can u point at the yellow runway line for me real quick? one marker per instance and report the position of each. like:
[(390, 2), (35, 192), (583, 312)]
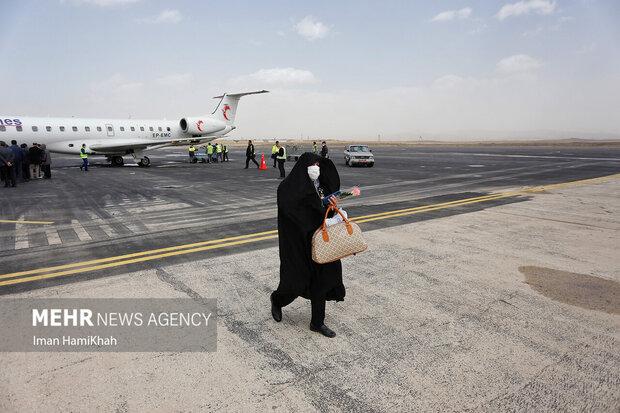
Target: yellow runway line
[(135, 254), (126, 259), (190, 247), (8, 221), (597, 180), (132, 261), (435, 208), (482, 198), (110, 262)]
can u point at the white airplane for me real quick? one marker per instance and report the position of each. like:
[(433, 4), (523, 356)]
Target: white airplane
[(117, 137)]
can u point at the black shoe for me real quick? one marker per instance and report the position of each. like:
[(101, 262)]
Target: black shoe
[(276, 312), (323, 329)]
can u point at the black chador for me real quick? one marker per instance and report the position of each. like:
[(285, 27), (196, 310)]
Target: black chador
[(300, 214)]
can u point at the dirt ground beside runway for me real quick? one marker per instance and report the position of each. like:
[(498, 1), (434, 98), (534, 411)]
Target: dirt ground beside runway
[(438, 316)]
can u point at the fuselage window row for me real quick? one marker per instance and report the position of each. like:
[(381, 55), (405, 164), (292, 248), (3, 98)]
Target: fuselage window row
[(86, 128)]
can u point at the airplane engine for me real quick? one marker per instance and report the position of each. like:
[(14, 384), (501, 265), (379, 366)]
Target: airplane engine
[(201, 126)]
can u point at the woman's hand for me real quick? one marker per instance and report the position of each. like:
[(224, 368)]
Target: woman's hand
[(333, 201)]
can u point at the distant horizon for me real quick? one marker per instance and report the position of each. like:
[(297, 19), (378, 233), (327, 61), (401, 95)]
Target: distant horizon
[(433, 140)]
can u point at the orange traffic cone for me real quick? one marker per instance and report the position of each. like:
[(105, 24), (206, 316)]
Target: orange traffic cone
[(263, 165)]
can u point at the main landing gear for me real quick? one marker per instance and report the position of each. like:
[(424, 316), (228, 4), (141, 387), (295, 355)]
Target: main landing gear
[(116, 160)]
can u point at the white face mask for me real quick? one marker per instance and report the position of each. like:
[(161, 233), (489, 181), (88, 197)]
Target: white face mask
[(313, 172)]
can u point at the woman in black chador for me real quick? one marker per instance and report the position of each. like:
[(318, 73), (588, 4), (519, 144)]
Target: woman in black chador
[(300, 213)]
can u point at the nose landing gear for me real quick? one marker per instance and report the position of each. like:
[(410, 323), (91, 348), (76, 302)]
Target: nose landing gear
[(144, 162)]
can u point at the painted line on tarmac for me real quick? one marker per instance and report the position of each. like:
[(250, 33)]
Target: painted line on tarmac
[(111, 262), (122, 260), (135, 254), (435, 208), (423, 207), (8, 221), (132, 261)]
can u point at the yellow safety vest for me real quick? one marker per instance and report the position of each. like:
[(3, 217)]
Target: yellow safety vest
[(283, 156), (218, 148), (192, 149), (274, 149), (209, 149), (83, 153)]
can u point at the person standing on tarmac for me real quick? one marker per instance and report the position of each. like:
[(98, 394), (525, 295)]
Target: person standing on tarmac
[(213, 153), (192, 153), (25, 163), (209, 153), (315, 149), (274, 153), (324, 150), (19, 158), (250, 155), (34, 157), (46, 162), (218, 152), (225, 152), (281, 158), (84, 157), (7, 165)]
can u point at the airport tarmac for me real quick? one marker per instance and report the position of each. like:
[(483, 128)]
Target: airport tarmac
[(461, 302), (80, 217)]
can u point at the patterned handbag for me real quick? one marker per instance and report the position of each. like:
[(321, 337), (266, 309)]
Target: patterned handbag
[(337, 241)]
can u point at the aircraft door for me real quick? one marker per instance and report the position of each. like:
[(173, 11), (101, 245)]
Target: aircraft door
[(109, 129)]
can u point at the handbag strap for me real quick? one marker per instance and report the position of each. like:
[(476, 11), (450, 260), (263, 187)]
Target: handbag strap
[(324, 225)]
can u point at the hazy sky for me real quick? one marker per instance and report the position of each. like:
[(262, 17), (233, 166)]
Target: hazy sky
[(340, 69)]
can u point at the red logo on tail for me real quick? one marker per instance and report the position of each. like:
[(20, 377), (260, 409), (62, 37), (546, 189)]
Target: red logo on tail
[(225, 109)]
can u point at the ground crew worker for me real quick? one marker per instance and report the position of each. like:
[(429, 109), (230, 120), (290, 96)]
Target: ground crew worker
[(218, 151), (274, 153), (209, 153), (250, 155), (84, 156), (192, 154), (315, 149), (225, 151), (281, 157)]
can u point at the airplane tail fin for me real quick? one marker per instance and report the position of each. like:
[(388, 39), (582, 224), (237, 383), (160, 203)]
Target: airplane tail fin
[(226, 109)]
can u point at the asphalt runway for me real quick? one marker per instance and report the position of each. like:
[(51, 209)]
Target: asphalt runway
[(111, 221)]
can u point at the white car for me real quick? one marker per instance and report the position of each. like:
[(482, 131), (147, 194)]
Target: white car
[(358, 155)]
